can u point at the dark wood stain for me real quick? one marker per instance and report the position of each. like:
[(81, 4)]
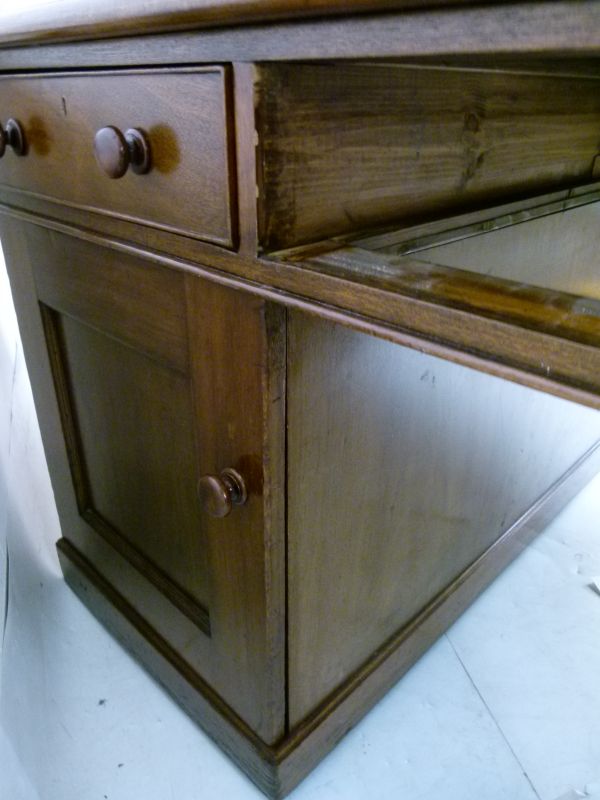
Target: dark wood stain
[(413, 143), (247, 306), (189, 189), (162, 377), (401, 473), (497, 346)]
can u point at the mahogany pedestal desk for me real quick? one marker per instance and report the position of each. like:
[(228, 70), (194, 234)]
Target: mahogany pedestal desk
[(310, 300)]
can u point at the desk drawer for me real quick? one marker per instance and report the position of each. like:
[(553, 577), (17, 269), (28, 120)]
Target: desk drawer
[(182, 113)]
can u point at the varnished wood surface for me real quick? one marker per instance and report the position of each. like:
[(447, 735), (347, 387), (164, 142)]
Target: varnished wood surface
[(142, 308), (237, 362), (160, 341), (142, 412), (410, 239), (496, 344), (277, 770), (557, 252), (63, 20), (244, 80), (540, 273), (402, 470), (344, 147), (550, 30), (184, 115), (334, 718), (537, 267), (131, 459)]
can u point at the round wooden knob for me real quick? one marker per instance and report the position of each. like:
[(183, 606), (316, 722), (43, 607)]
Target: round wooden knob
[(219, 493), (115, 151), (12, 136)]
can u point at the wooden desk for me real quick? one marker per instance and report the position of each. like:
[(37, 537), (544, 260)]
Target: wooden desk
[(311, 312)]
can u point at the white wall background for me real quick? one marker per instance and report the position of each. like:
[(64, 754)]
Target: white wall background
[(28, 565), (506, 706)]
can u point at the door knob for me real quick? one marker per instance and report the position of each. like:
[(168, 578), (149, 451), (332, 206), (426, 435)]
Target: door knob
[(219, 493), (115, 151), (12, 136)]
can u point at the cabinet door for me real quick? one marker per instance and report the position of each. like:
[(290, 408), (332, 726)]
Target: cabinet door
[(156, 377)]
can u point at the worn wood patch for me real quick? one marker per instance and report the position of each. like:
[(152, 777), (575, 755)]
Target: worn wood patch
[(348, 147)]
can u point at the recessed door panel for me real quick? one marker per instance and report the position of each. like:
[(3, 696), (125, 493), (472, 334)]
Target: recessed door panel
[(134, 460)]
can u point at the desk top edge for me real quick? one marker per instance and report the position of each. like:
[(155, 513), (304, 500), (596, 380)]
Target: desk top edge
[(69, 33), (43, 22), (53, 21)]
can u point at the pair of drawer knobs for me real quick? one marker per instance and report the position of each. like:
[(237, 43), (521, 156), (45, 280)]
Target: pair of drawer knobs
[(115, 151)]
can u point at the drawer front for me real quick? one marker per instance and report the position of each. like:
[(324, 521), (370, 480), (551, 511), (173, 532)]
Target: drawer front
[(431, 464), (183, 114)]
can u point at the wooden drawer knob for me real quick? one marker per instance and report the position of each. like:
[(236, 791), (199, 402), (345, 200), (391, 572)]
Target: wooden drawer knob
[(115, 151), (219, 493), (12, 136)]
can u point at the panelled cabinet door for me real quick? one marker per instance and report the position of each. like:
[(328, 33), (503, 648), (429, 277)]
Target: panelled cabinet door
[(159, 379)]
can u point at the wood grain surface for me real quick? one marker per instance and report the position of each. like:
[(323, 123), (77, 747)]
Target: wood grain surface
[(552, 31), (184, 114), (557, 252), (402, 470), (339, 713), (277, 770), (539, 272), (344, 147), (139, 397), (495, 344), (167, 338), (63, 20)]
